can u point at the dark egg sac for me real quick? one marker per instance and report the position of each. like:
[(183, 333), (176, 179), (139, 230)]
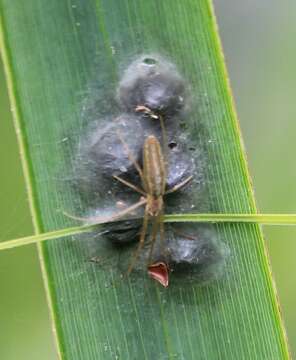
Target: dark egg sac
[(153, 82), (123, 232), (105, 150), (180, 164), (101, 155), (192, 252), (192, 245)]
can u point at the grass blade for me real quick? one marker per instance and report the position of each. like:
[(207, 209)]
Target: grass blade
[(262, 219), (52, 52)]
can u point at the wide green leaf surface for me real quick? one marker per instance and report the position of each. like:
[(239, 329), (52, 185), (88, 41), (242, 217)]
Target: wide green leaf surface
[(59, 53)]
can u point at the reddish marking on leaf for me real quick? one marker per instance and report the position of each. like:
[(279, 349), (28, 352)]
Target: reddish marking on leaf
[(159, 272)]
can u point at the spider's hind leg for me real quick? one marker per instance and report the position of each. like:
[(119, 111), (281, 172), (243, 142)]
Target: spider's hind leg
[(141, 241), (180, 185), (130, 185)]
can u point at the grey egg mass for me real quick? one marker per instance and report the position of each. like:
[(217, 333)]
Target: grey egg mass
[(153, 82)]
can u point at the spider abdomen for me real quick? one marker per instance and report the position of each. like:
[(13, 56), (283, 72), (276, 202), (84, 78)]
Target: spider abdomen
[(153, 167)]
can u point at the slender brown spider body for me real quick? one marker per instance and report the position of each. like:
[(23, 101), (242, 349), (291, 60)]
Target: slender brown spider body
[(154, 175)]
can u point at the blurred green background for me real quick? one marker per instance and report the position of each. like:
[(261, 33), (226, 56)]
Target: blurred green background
[(259, 45)]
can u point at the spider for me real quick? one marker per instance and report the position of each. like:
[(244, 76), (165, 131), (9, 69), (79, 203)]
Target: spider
[(153, 178)]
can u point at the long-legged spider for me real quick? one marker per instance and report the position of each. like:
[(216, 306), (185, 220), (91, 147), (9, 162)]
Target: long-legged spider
[(153, 178)]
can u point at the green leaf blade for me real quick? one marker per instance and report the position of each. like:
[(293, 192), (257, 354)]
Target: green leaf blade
[(54, 50)]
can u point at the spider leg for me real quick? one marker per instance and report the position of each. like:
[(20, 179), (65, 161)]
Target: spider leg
[(180, 185), (101, 219), (161, 231), (155, 227), (188, 237), (164, 140), (160, 224), (159, 270), (130, 155), (130, 185), (141, 241)]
